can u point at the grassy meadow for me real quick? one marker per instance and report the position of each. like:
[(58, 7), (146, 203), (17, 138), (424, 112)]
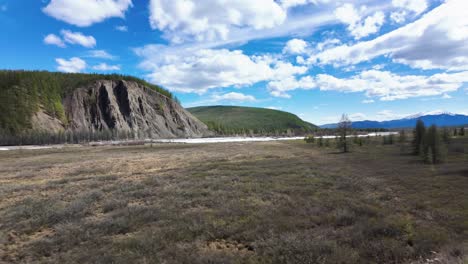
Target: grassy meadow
[(269, 202)]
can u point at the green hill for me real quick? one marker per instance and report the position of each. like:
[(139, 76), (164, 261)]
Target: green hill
[(22, 93), (248, 120)]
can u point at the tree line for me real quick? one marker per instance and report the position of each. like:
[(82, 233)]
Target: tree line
[(34, 137), (430, 143)]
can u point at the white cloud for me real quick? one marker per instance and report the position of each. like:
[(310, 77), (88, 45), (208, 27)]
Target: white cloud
[(416, 6), (293, 3), (72, 65), (406, 8), (198, 70), (357, 117), (389, 86), (53, 39), (280, 87), (398, 17), (106, 67), (368, 101), (78, 38), (295, 46), (446, 96), (84, 13), (121, 28), (384, 85), (212, 19), (328, 43), (358, 26), (389, 115), (233, 96), (100, 54), (438, 40)]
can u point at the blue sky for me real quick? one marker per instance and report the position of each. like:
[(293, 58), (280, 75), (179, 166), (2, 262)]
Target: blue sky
[(374, 60)]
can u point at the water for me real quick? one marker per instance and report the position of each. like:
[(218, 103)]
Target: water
[(196, 141)]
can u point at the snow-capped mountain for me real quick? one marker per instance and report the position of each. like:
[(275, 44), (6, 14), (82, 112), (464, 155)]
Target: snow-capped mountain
[(439, 118), (434, 113)]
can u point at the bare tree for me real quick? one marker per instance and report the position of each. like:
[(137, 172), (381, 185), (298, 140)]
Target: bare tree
[(344, 128)]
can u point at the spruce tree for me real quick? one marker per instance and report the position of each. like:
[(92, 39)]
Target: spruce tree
[(418, 137), (402, 138), (320, 142), (428, 156), (436, 148), (344, 128), (446, 135)]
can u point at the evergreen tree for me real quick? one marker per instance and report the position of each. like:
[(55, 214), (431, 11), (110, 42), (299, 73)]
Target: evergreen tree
[(402, 139), (446, 135), (462, 131), (418, 137), (435, 147), (428, 155), (320, 142), (344, 128)]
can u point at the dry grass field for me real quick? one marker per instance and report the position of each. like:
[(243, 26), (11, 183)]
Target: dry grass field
[(271, 202)]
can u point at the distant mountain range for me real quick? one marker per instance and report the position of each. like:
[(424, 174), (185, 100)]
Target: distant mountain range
[(439, 119)]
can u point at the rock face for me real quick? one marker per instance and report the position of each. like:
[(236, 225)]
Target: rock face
[(126, 106)]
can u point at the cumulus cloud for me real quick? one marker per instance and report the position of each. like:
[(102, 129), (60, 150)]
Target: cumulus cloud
[(212, 19), (78, 38), (406, 8), (384, 85), (295, 46), (53, 39), (100, 54), (70, 37), (84, 13), (438, 40), (328, 43), (72, 65), (358, 25), (106, 67), (233, 96), (416, 6), (203, 69), (293, 3), (280, 87)]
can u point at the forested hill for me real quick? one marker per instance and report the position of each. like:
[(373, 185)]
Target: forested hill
[(22, 93), (46, 107), (236, 120)]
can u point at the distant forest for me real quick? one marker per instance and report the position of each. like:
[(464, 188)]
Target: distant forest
[(22, 93)]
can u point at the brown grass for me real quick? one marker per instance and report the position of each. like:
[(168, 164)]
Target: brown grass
[(272, 202)]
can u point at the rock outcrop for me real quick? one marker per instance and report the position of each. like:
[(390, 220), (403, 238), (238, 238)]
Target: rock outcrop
[(126, 106)]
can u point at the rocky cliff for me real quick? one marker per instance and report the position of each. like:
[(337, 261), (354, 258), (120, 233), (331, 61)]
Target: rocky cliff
[(122, 106)]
